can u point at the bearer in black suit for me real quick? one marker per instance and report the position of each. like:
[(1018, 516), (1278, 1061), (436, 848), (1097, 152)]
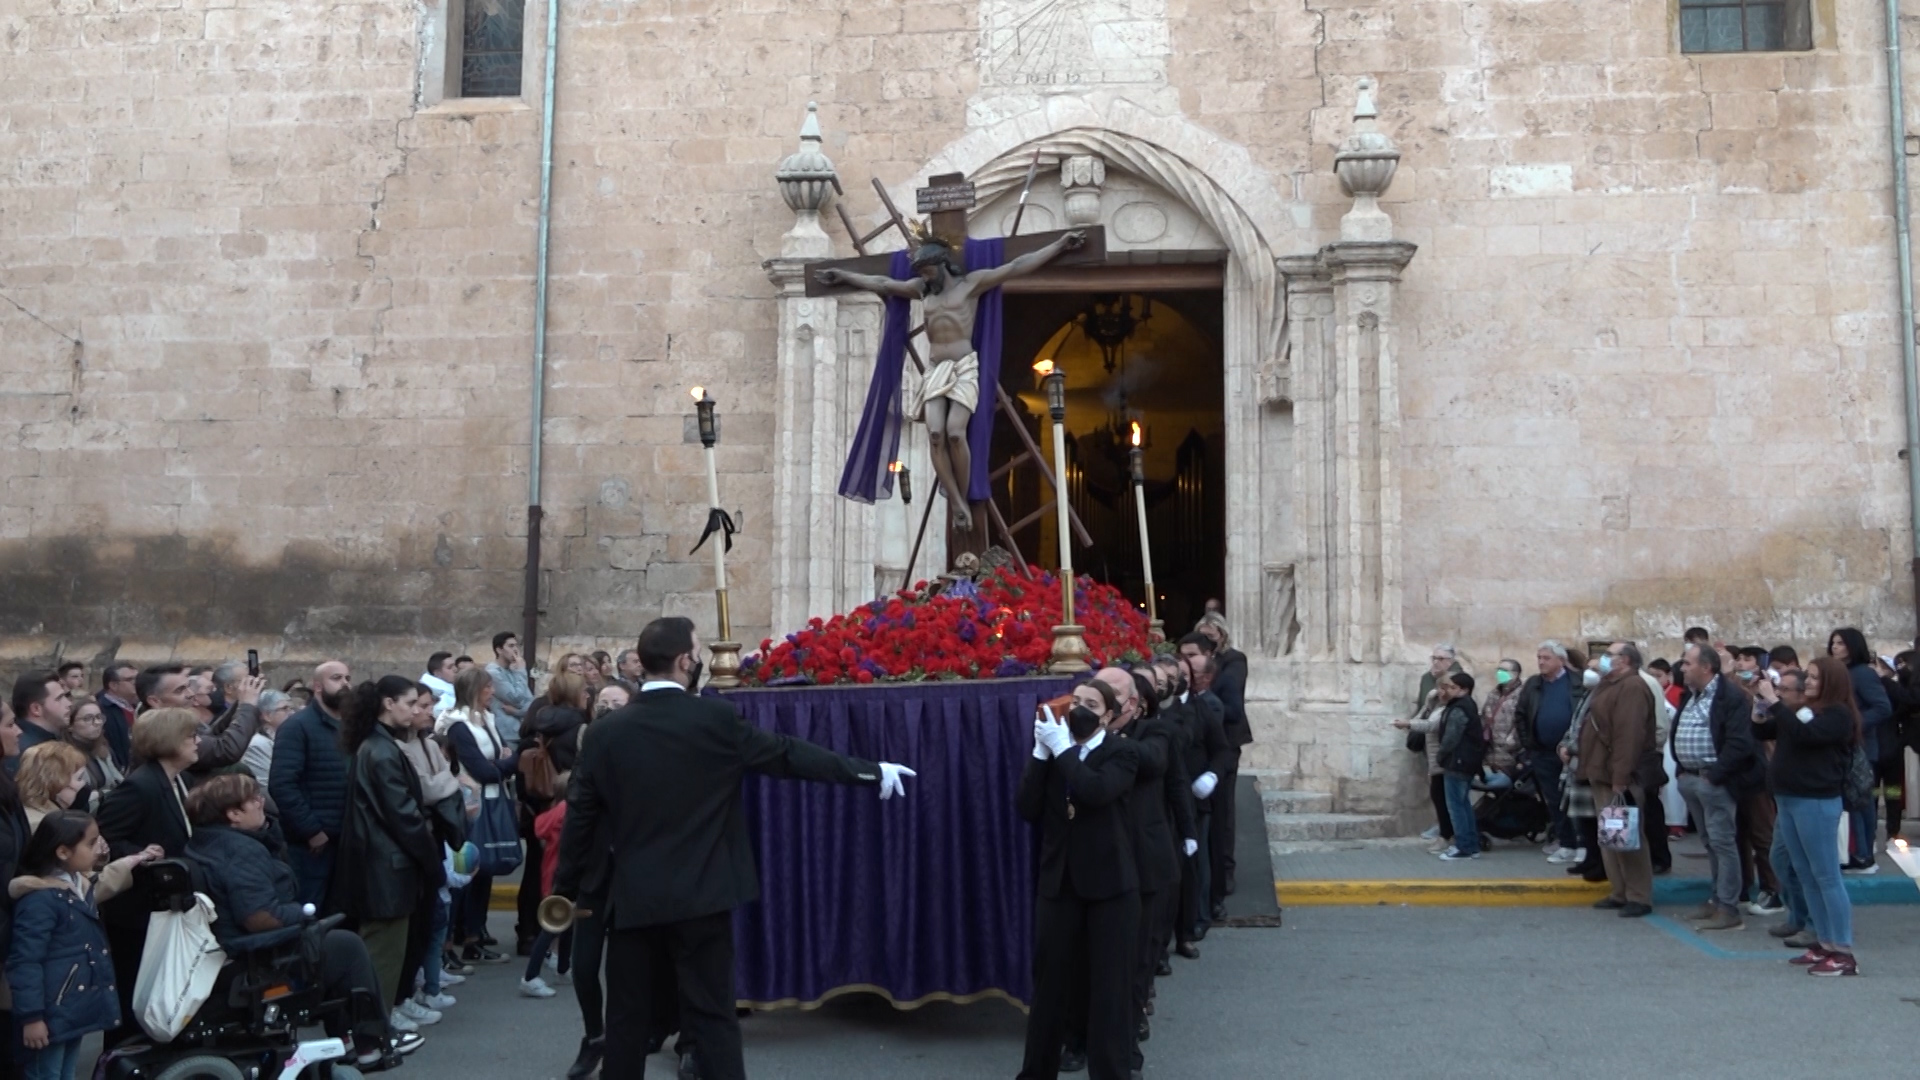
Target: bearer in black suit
[(1207, 752), (663, 784), (1086, 920)]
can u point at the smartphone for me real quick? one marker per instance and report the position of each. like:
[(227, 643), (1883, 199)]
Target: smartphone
[(253, 662)]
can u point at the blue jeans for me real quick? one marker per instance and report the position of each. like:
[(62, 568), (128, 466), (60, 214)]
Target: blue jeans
[(1811, 829), (435, 964), (56, 1062), (1864, 820), (1466, 832), (1545, 765), (1791, 893)]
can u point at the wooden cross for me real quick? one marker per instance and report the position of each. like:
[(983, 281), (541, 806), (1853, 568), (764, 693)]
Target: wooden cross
[(947, 198)]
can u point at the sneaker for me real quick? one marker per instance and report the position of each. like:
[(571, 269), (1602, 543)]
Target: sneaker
[(1550, 848), (1456, 855), (480, 954), (407, 1042), (1805, 939), (1703, 912), (1835, 963), (1439, 846), (536, 987), (1432, 833), (448, 978), (1725, 919), (1814, 955), (439, 1002), (1786, 930), (399, 1022), (1560, 856), (1765, 903), (1860, 869), (418, 1013)]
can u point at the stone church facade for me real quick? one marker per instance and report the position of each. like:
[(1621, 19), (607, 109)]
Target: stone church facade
[(1618, 351)]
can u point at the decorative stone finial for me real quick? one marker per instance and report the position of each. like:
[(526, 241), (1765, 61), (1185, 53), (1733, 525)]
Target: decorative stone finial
[(806, 176), (807, 179), (1365, 164)]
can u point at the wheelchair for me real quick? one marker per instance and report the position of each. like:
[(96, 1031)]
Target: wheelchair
[(249, 1026)]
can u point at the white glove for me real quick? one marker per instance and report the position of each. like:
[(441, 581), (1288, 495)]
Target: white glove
[(890, 775), (1040, 750), (1203, 785), (1059, 739), (1192, 846)]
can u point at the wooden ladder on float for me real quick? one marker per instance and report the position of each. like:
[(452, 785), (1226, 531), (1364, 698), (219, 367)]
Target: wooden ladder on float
[(1032, 451)]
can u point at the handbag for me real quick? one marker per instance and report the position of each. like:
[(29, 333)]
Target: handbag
[(496, 834), (1859, 787), (1620, 827), (177, 970), (1417, 741)]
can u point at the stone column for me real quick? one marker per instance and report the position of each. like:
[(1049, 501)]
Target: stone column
[(1345, 387), (816, 533)]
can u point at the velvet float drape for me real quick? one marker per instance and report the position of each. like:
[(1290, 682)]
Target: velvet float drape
[(930, 898)]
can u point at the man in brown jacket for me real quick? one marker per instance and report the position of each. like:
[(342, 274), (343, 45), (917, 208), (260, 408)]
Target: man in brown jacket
[(1615, 738)]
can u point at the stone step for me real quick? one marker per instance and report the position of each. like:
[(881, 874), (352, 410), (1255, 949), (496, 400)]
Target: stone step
[(1296, 802), (1292, 827)]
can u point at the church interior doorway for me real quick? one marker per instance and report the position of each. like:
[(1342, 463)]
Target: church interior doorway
[(1151, 358)]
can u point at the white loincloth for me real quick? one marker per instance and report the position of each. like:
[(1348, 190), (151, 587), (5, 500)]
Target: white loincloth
[(956, 380)]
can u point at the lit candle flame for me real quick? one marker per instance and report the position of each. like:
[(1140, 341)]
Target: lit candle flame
[(699, 393), (1043, 368), (1136, 432), (895, 467)]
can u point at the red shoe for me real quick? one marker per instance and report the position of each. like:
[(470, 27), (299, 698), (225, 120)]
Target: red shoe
[(1815, 955), (1837, 963)]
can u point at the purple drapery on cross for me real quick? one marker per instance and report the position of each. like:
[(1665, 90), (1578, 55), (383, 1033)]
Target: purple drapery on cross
[(876, 443)]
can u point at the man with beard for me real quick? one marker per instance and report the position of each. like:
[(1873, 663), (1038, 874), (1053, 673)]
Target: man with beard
[(308, 780)]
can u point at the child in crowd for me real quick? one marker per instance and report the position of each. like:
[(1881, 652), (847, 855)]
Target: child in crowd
[(58, 966)]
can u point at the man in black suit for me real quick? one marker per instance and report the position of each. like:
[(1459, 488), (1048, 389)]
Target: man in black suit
[(1208, 753), (662, 784), (1086, 919), (1229, 684)]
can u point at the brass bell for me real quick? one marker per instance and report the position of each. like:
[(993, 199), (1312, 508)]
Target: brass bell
[(555, 914)]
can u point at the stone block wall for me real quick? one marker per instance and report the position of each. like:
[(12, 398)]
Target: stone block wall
[(1650, 372)]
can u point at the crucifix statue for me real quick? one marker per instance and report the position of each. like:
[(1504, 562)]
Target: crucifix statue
[(950, 388)]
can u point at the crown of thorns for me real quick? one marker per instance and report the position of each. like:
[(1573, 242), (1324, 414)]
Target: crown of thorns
[(932, 247)]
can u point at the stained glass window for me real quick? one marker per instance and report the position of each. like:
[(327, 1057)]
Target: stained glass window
[(1723, 26), (490, 48)]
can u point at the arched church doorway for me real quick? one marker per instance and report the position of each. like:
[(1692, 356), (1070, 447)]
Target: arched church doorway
[(1153, 358)]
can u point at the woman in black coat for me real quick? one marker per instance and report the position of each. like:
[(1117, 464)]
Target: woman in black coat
[(389, 855), (148, 808)]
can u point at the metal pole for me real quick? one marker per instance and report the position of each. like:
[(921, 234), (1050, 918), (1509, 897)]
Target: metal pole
[(1903, 243), (530, 614)]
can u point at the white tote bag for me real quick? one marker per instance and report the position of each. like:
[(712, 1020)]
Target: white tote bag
[(177, 970)]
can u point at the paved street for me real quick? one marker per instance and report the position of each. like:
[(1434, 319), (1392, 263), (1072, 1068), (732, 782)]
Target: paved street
[(1348, 992)]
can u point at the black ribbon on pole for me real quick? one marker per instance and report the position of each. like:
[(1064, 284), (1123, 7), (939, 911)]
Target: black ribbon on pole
[(717, 521)]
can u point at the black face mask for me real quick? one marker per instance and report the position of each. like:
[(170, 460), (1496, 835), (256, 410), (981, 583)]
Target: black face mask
[(1082, 723)]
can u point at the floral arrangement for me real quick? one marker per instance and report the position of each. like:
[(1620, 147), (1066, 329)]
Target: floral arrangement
[(1000, 627)]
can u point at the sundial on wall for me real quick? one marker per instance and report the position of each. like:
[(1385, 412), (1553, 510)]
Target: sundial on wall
[(1061, 44)]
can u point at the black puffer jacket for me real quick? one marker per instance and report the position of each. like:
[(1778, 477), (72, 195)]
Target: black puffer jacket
[(388, 854), (244, 878)]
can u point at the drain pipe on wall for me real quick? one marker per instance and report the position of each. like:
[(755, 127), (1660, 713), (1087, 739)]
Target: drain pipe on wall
[(530, 614)]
